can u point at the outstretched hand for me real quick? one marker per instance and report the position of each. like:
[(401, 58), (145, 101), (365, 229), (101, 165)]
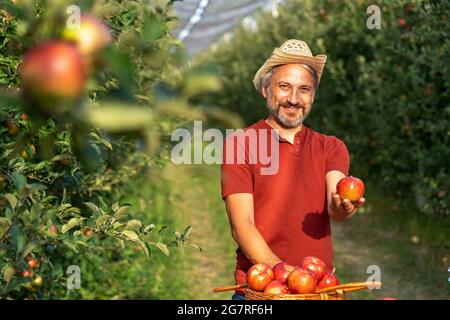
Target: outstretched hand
[(345, 206)]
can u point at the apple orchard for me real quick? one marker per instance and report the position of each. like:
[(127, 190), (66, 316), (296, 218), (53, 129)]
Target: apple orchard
[(80, 120)]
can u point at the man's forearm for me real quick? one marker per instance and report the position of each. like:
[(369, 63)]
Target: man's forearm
[(253, 244)]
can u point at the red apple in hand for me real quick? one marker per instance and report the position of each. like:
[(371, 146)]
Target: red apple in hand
[(259, 276), (328, 280), (350, 188), (302, 281), (282, 271), (276, 287), (317, 266)]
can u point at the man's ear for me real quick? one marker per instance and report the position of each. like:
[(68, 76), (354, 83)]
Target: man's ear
[(264, 92)]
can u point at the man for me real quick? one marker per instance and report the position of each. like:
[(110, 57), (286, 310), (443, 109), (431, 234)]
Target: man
[(286, 216)]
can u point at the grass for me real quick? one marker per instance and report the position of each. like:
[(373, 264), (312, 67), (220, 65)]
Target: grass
[(411, 250)]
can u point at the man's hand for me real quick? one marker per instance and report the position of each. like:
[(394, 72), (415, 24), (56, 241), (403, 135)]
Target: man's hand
[(345, 206), (339, 209)]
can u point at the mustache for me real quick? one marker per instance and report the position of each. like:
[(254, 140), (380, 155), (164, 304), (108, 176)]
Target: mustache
[(288, 105)]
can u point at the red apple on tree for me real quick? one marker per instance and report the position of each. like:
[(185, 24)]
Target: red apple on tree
[(53, 75), (33, 263), (89, 36), (282, 271), (350, 188), (259, 276), (276, 287), (302, 281), (317, 266), (26, 273), (328, 280)]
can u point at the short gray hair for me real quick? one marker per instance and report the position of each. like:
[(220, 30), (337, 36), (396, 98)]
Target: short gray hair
[(265, 81)]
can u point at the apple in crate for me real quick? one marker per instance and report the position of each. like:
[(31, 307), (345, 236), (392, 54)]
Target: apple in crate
[(328, 280), (276, 287), (302, 281), (317, 266), (259, 276), (282, 270)]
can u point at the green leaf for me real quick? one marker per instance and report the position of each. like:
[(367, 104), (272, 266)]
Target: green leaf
[(41, 165), (152, 30), (144, 247), (121, 65), (163, 247), (19, 180), (11, 199), (9, 99), (116, 117), (130, 234), (72, 245), (194, 246), (57, 270), (8, 273), (18, 238), (121, 211), (115, 206), (4, 225), (59, 157), (149, 228), (69, 225), (30, 247), (81, 243), (173, 244), (134, 224), (9, 213), (93, 207), (35, 210), (105, 142), (101, 220), (187, 231), (162, 230), (200, 83), (117, 225)]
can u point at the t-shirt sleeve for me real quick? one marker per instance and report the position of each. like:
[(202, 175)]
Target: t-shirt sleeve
[(338, 157), (237, 176)]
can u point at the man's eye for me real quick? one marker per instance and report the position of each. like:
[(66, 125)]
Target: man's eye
[(305, 90), (283, 86)]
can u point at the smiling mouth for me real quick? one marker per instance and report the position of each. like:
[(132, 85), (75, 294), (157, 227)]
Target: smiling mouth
[(292, 108)]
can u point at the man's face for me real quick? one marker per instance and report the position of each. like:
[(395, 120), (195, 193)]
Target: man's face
[(290, 95)]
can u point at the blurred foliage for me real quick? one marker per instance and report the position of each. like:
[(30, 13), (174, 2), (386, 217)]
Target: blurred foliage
[(385, 92), (62, 175)]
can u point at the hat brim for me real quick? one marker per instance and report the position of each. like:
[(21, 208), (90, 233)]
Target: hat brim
[(278, 58)]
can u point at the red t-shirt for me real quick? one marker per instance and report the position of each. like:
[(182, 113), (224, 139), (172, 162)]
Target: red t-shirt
[(290, 207)]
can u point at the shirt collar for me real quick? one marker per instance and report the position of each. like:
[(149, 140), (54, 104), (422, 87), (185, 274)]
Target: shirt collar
[(299, 135)]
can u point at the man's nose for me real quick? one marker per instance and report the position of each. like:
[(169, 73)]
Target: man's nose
[(294, 98)]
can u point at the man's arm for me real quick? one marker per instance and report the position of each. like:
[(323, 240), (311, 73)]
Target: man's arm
[(339, 209), (241, 216)]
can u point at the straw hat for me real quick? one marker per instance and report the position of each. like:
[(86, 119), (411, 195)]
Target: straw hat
[(292, 51)]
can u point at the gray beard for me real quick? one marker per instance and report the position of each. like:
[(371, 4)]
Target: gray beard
[(285, 122)]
